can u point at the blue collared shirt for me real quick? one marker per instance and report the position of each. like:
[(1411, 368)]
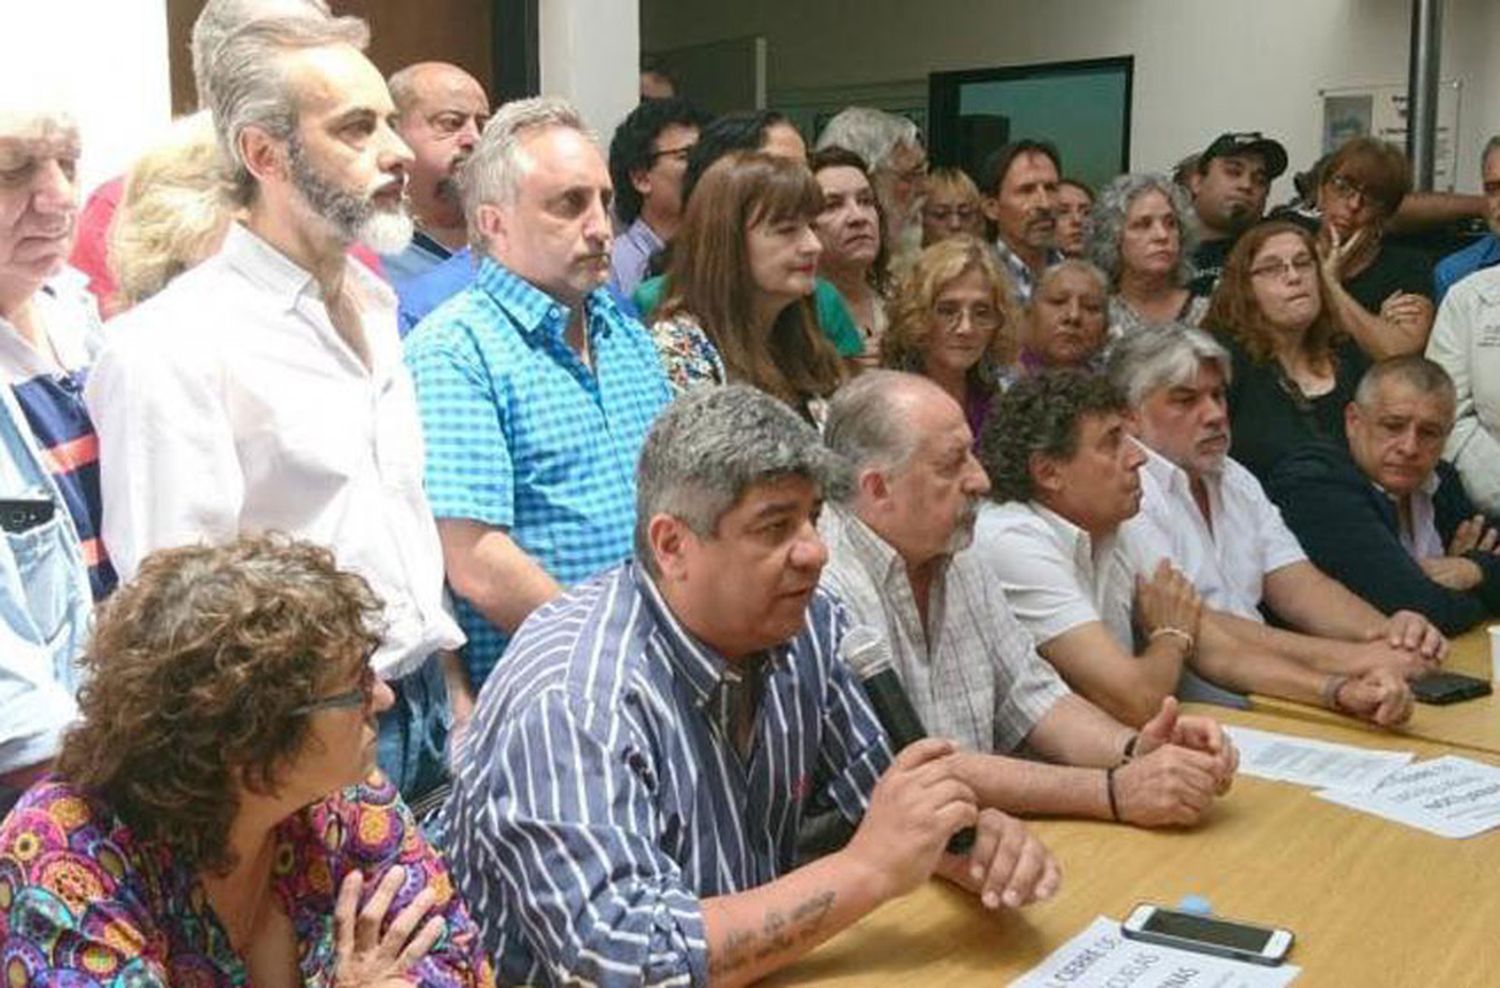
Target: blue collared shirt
[(599, 796), (419, 296), (522, 435), (423, 294), (416, 259), (1484, 253), (632, 255)]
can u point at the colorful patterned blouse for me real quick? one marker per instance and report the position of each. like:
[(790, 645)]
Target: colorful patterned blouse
[(84, 903), (687, 355)]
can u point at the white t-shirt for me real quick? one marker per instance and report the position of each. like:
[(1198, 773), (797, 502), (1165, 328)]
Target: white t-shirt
[(1057, 577)]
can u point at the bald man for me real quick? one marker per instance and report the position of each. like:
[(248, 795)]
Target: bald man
[(440, 111)]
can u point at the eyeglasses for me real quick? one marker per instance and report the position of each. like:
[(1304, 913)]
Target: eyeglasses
[(914, 174), (941, 214), (680, 153), (951, 315), (1348, 189), (355, 699), (1300, 265)]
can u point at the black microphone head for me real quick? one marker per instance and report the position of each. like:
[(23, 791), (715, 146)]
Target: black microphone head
[(866, 651)]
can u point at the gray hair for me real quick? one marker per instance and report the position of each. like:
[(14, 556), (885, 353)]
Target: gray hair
[(1169, 356), (1413, 369), (221, 18), (872, 134), (866, 424), (492, 175), (712, 445), (248, 83), (1106, 222), (1072, 264)]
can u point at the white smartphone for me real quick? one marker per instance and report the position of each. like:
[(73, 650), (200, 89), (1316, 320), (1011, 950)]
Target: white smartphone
[(1207, 934)]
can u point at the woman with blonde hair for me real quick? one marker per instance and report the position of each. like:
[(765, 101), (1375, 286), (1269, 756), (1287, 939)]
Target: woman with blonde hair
[(955, 322), (173, 214), (743, 264), (950, 206)]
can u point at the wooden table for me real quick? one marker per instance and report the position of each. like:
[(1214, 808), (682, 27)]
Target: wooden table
[(1473, 725), (1372, 903)]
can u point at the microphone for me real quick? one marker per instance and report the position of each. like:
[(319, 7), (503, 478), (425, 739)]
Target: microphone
[(869, 655)]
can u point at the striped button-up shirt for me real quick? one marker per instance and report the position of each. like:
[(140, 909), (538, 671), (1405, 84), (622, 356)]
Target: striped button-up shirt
[(971, 671), (599, 795), (523, 435)]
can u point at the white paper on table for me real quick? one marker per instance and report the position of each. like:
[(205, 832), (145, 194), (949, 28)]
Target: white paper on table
[(1308, 762), (1101, 956), (1448, 796)]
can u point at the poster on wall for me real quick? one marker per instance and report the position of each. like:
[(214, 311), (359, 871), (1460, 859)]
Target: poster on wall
[(1380, 111)]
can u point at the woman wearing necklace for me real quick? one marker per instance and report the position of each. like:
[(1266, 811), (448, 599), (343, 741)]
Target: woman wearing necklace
[(1141, 236), (1293, 371), (213, 819), (854, 257)]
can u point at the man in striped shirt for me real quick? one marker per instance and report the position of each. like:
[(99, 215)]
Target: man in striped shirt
[(628, 800), (899, 563)]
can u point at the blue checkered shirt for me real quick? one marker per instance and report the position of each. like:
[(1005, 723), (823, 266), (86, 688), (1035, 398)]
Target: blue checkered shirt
[(599, 796), (522, 435)]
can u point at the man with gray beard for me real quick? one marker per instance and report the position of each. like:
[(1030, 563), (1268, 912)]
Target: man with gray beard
[(264, 389), (899, 562)]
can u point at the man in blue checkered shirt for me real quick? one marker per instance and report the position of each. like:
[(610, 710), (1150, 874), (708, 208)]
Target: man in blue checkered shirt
[(535, 390)]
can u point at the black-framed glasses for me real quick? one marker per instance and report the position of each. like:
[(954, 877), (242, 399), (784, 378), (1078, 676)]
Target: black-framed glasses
[(680, 153), (356, 699)]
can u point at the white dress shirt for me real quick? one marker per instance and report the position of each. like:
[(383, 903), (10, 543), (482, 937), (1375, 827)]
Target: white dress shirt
[(230, 403), (1228, 563)]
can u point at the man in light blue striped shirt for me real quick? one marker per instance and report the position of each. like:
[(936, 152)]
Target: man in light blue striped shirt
[(628, 798)]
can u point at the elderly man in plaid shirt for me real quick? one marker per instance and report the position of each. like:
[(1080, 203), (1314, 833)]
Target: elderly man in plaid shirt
[(535, 390), (899, 563)]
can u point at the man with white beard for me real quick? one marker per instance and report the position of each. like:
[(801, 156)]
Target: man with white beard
[(899, 562), (264, 389)]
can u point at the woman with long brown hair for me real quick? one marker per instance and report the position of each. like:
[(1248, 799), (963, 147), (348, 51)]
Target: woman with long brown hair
[(954, 321), (742, 270), (1293, 369)]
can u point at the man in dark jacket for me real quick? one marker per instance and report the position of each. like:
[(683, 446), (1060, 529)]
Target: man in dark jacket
[(1387, 517)]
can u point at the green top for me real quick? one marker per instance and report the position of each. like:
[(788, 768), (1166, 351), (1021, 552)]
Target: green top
[(833, 316)]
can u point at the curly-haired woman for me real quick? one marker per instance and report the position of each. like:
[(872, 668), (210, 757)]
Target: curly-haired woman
[(1293, 370), (1142, 235), (206, 823), (954, 321)]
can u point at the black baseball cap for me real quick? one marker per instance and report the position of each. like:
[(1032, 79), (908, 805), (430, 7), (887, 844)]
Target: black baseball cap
[(1246, 142)]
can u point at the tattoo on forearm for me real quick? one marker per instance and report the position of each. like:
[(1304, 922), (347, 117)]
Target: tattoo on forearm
[(779, 932)]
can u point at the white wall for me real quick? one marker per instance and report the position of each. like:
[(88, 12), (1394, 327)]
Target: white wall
[(1201, 66), (107, 65), (590, 53)]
